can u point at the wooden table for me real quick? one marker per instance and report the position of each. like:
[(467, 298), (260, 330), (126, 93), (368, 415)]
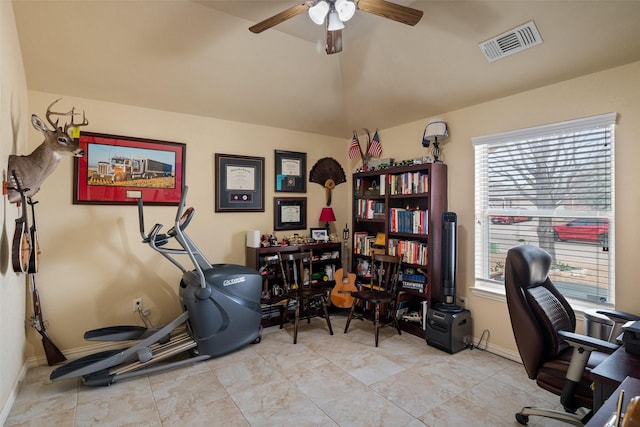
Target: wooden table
[(631, 387), (608, 375)]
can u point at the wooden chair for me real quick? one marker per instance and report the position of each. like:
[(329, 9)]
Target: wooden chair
[(382, 291), (309, 301)]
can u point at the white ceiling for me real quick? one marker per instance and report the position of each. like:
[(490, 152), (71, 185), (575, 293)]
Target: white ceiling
[(198, 57)]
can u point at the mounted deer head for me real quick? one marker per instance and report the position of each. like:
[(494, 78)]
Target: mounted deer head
[(31, 170)]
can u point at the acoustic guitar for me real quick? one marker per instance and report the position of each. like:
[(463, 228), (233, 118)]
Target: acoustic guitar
[(34, 253), (21, 248), (345, 281)]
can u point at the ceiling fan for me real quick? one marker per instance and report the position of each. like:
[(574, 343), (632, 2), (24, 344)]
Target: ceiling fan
[(333, 13)]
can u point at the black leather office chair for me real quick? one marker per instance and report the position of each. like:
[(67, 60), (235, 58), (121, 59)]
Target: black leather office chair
[(544, 328)]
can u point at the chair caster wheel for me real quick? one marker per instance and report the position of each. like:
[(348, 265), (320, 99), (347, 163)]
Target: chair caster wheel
[(522, 419), (257, 340)]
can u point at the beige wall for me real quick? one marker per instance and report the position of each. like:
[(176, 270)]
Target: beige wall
[(92, 255), (13, 135), (614, 90), (93, 264)]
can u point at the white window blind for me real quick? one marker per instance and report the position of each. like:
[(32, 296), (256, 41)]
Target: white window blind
[(550, 186)]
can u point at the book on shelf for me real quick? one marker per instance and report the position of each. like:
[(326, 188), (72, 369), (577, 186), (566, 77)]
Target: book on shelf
[(362, 243), (370, 209), (412, 251), (408, 221), (409, 183), (413, 280)]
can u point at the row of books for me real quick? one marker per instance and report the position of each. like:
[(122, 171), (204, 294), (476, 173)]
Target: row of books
[(408, 221), (413, 252), (362, 243), (369, 209), (408, 183), (374, 186)]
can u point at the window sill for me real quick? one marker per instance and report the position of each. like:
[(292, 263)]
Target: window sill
[(496, 293)]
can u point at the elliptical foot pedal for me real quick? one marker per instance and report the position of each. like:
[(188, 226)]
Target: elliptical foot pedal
[(75, 365), (115, 333)]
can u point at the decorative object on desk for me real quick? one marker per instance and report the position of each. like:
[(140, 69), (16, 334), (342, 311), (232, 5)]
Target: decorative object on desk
[(291, 171), (290, 213), (328, 173), (632, 413), (319, 234), (374, 148), (327, 216), (297, 239), (436, 128), (239, 183), (253, 238)]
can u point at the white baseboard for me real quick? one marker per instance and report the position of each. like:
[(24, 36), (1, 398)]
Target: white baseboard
[(4, 414), (79, 352), (501, 351)]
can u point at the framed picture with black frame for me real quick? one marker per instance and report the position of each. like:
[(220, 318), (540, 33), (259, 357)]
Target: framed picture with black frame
[(239, 183), (319, 234), (289, 213), (290, 171)]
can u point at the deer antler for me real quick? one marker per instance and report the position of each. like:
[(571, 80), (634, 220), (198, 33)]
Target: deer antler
[(71, 113), (71, 124)]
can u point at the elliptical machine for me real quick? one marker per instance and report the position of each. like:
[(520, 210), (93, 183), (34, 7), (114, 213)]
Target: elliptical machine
[(221, 313)]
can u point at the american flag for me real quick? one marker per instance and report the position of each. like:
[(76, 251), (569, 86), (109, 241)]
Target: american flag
[(354, 148), (375, 148)]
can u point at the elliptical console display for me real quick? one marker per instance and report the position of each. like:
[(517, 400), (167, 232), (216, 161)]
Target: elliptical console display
[(221, 313)]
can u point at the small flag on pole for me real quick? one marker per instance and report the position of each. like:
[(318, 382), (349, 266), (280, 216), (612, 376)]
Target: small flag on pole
[(375, 149), (354, 148)]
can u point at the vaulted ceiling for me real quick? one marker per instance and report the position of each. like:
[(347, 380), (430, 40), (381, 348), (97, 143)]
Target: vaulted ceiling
[(198, 57)]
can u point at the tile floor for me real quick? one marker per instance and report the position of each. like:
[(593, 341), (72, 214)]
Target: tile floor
[(339, 380)]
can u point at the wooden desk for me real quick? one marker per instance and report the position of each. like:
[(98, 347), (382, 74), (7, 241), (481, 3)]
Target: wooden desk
[(608, 375), (631, 387)]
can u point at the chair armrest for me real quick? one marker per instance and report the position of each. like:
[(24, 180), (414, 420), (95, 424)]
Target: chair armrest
[(618, 316), (588, 343), (582, 347)]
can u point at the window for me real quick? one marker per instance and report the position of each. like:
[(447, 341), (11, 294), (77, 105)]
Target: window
[(550, 186)]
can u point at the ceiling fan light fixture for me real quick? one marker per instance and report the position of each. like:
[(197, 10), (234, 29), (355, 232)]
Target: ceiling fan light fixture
[(318, 12), (335, 23), (345, 9)]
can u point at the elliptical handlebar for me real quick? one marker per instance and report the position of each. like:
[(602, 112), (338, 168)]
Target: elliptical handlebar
[(182, 220)]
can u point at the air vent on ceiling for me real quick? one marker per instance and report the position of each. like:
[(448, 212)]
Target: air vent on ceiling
[(520, 38)]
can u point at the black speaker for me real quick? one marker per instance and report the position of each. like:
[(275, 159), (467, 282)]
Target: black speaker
[(449, 267), (448, 331)]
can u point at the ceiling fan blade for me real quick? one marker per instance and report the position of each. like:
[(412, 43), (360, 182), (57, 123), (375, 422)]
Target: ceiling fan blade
[(389, 10), (280, 17), (334, 41)]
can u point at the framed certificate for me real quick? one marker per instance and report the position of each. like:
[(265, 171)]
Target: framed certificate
[(291, 171), (239, 183), (290, 213)]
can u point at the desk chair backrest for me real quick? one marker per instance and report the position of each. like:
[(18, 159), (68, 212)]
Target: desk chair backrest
[(536, 308), (296, 269), (384, 273)]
